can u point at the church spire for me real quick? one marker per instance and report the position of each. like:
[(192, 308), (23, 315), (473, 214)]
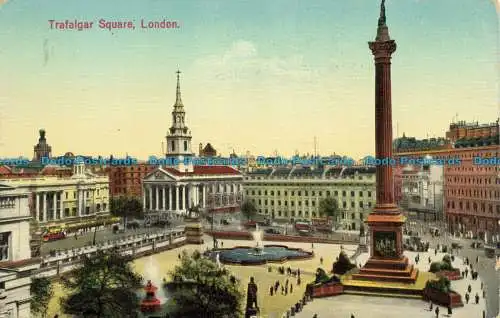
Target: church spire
[(178, 100), (382, 30)]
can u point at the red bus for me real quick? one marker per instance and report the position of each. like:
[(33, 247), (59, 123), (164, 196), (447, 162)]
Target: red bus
[(53, 234)]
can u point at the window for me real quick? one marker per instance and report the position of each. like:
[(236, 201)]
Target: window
[(66, 212), (4, 246), (352, 193), (369, 194), (265, 192), (369, 204), (344, 205), (336, 193), (185, 145), (343, 193), (361, 193), (361, 204), (352, 205), (66, 194), (172, 144), (306, 193)]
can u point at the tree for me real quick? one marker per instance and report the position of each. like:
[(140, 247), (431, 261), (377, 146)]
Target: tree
[(104, 285), (126, 206), (329, 207), (202, 287), (41, 292), (248, 209)]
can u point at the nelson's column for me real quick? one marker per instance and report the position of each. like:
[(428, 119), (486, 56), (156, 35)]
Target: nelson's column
[(387, 262)]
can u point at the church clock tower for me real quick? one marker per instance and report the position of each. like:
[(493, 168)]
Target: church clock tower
[(179, 136)]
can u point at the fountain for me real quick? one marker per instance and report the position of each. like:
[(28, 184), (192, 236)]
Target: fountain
[(258, 236), (258, 254), (150, 303)]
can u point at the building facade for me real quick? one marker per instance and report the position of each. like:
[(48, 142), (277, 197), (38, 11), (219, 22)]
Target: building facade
[(68, 201), (422, 191), (174, 189), (471, 191), (295, 193), (127, 180), (16, 263)]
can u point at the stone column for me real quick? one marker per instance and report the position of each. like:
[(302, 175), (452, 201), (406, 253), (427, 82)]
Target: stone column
[(177, 188), (170, 189), (61, 207), (37, 206), (157, 201), (150, 191), (144, 194), (203, 195), (54, 205), (382, 48), (164, 198), (45, 206), (79, 202), (181, 198)]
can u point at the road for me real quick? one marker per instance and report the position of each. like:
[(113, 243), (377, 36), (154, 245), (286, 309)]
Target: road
[(485, 267), (102, 235)]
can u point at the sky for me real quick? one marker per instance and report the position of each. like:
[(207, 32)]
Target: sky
[(259, 76)]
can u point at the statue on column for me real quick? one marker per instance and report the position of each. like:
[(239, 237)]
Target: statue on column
[(252, 308)]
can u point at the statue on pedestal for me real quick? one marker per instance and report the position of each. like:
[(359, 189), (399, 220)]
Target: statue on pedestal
[(252, 308)]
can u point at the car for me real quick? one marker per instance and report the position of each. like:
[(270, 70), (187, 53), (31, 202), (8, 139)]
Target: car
[(272, 231)]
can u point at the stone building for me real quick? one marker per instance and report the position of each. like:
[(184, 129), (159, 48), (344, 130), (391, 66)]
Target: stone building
[(180, 184), (207, 151), (16, 263), (295, 193), (471, 191), (69, 201)]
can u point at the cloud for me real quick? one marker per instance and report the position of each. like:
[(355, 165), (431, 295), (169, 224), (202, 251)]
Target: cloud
[(241, 62)]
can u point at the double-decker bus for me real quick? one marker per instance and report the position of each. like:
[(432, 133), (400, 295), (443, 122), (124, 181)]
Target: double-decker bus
[(322, 224), (54, 233)]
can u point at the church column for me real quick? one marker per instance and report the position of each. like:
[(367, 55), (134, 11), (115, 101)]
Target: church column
[(157, 201), (170, 189), (45, 206), (37, 198), (164, 198), (181, 198), (203, 189), (144, 194), (176, 195), (150, 191)]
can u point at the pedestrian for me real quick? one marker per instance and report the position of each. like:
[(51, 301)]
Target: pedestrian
[(312, 245), (467, 298), (298, 281), (430, 260), (282, 290), (321, 260), (477, 299), (221, 244), (291, 288), (430, 307), (469, 288), (477, 259), (466, 271), (271, 290), (484, 293), (286, 290), (437, 312), (449, 311), (482, 286)]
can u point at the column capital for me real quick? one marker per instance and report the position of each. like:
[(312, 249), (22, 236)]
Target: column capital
[(382, 49)]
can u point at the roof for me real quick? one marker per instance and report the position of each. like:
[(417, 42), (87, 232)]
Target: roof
[(204, 170), (209, 148), (5, 170), (306, 171)]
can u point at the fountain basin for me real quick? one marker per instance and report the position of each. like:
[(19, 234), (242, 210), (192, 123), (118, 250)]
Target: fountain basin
[(247, 255)]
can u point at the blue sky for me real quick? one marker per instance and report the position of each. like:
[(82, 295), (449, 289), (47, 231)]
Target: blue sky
[(257, 75)]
